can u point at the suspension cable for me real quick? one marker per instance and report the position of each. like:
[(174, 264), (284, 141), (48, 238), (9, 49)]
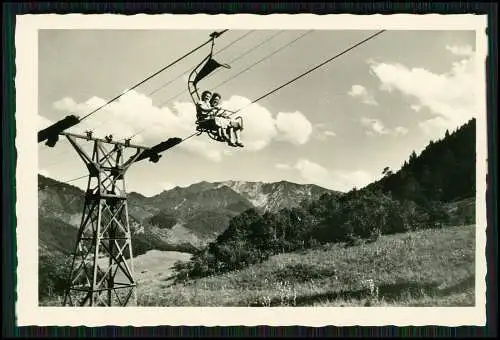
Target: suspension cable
[(296, 78), (75, 179), (291, 81), (155, 74), (188, 70), (254, 64), (260, 60), (231, 61), (309, 71)]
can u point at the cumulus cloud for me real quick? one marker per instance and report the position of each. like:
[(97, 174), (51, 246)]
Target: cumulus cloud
[(341, 180), (293, 127), (435, 126), (322, 132), (416, 108), (400, 130), (465, 50), (359, 91), (311, 171), (450, 96), (135, 114), (259, 125), (375, 126)]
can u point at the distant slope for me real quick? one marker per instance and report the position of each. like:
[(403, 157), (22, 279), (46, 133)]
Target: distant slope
[(199, 212), (58, 200), (56, 235), (272, 197)]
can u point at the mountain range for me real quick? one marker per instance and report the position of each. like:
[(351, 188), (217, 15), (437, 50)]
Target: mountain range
[(182, 219)]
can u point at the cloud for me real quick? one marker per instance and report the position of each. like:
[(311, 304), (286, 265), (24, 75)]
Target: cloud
[(341, 180), (135, 115), (258, 123), (399, 130), (434, 127), (375, 126), (449, 96), (312, 172), (465, 50), (416, 108), (322, 132), (361, 92), (293, 127)]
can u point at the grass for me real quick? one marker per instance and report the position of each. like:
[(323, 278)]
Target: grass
[(423, 268)]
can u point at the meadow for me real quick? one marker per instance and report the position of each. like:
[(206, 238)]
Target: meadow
[(433, 267)]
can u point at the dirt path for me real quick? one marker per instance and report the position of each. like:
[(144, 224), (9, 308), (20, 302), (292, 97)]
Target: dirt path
[(155, 265)]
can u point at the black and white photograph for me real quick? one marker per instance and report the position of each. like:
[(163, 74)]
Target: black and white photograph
[(337, 165)]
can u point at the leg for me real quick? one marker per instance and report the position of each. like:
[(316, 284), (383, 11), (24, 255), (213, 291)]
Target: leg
[(222, 132), (231, 136), (238, 142), (236, 126)]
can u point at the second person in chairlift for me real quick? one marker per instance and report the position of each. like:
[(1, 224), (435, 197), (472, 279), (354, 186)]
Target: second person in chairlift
[(226, 124)]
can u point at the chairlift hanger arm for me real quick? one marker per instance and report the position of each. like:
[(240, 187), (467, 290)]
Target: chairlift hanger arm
[(203, 69)]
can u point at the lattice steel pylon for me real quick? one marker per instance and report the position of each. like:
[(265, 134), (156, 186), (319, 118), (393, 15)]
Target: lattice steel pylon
[(102, 270)]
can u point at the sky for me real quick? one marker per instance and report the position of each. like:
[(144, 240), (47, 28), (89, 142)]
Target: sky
[(338, 127)]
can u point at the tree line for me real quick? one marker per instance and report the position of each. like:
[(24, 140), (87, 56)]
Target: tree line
[(413, 198)]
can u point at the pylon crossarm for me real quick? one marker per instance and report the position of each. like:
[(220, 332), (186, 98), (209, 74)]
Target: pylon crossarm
[(104, 140), (85, 157)]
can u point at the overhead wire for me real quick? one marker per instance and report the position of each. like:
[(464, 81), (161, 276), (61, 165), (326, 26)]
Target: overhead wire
[(302, 75), (260, 60), (189, 69), (249, 67), (230, 62), (218, 34), (152, 75), (75, 179), (285, 84), (299, 76), (310, 70)]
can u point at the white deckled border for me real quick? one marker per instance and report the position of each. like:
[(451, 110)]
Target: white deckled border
[(27, 310)]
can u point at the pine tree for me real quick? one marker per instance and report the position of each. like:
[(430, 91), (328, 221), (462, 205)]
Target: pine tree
[(413, 157)]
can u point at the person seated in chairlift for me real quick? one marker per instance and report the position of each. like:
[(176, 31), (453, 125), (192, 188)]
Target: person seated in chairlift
[(203, 107), (205, 114), (226, 125)]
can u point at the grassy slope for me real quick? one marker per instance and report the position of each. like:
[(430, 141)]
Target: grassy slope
[(424, 268)]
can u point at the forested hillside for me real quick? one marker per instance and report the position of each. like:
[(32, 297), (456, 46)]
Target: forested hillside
[(416, 197)]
